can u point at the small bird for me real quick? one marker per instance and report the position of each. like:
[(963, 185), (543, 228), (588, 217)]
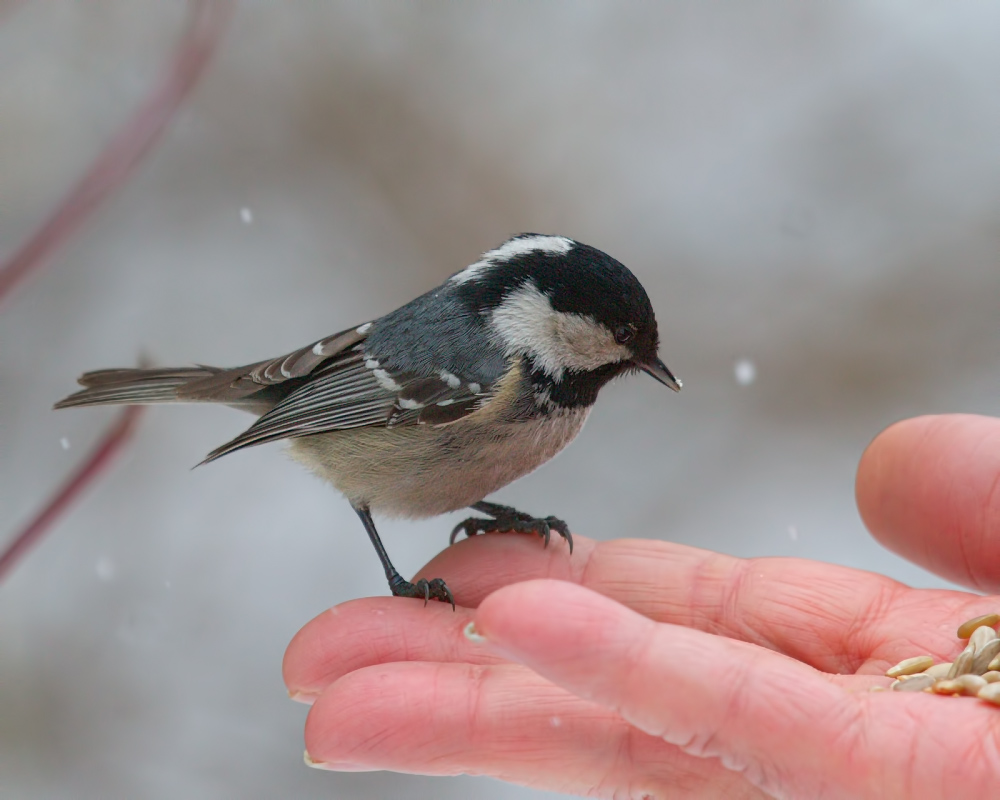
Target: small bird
[(445, 400)]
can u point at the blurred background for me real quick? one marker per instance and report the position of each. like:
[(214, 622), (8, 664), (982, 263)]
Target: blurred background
[(809, 192)]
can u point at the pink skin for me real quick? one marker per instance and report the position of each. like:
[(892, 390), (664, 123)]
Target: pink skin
[(929, 489), (643, 669)]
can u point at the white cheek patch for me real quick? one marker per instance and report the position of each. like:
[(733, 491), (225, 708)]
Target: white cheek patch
[(556, 341), (511, 249)]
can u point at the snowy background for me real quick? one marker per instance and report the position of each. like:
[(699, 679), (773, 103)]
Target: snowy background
[(812, 187)]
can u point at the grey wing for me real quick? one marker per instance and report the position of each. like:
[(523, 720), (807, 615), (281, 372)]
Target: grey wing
[(354, 389)]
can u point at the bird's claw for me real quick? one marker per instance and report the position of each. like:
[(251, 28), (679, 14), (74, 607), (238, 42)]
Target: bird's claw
[(434, 589), (517, 522)]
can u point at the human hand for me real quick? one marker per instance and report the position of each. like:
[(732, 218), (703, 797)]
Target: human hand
[(645, 669)]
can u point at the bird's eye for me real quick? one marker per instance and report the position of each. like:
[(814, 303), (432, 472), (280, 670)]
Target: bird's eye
[(624, 334)]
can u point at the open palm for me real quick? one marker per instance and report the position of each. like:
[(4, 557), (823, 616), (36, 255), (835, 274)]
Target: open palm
[(643, 669)]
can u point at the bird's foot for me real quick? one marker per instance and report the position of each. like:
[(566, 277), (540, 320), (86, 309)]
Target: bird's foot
[(434, 589), (506, 519)]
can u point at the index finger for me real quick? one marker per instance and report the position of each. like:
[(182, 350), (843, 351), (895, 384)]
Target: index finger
[(777, 722)]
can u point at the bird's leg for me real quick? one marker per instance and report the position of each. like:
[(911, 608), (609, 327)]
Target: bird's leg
[(435, 589), (506, 518)]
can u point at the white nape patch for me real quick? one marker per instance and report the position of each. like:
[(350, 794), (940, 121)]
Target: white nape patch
[(510, 249), (386, 381), (452, 380), (372, 363), (555, 340), (363, 328), (406, 402), (318, 348), (475, 388)]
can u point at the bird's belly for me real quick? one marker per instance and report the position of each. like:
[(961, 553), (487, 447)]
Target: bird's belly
[(422, 470)]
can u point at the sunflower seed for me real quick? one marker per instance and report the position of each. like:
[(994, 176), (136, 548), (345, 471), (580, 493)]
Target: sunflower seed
[(972, 684), (966, 629), (914, 683), (985, 654), (990, 693), (910, 666), (981, 636), (938, 671), (963, 664), (975, 672)]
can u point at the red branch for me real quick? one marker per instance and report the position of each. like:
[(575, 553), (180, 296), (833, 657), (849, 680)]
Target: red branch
[(206, 23), (98, 460)]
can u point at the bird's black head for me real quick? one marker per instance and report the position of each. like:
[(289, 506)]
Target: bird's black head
[(577, 316)]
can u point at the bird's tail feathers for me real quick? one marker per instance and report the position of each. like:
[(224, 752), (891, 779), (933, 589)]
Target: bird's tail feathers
[(135, 386)]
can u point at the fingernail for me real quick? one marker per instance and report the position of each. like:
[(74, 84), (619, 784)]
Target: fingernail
[(302, 697), (472, 634), (334, 766)]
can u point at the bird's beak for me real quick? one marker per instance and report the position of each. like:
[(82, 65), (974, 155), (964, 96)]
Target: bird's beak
[(659, 370)]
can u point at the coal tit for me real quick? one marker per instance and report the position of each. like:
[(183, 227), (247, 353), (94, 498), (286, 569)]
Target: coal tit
[(445, 400)]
